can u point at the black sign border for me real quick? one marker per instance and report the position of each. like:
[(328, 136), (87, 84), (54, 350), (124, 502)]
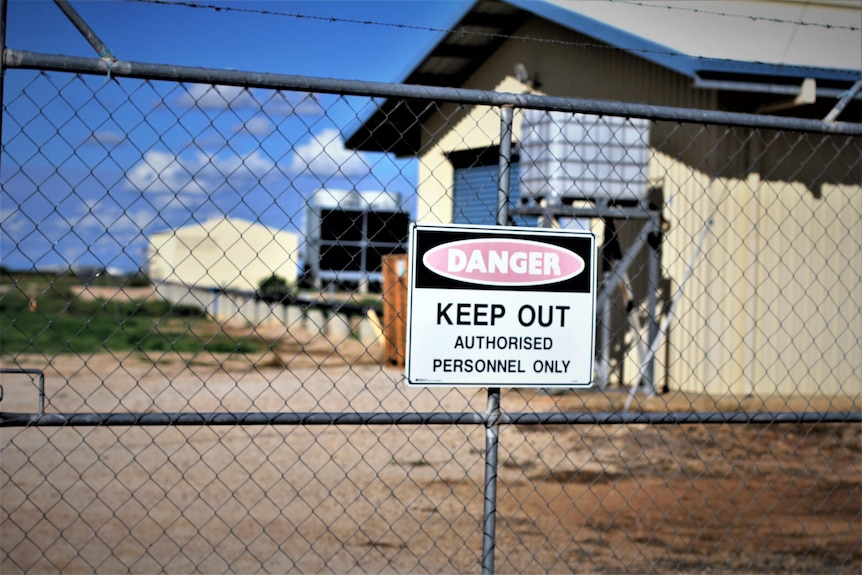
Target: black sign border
[(425, 238)]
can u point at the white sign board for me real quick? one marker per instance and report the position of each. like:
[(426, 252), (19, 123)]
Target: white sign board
[(501, 307)]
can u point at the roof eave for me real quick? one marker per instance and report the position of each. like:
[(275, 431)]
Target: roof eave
[(449, 62)]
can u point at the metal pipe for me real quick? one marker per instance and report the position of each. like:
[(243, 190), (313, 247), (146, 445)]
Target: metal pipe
[(489, 516), (492, 412), (655, 339), (604, 309), (85, 30), (505, 165), (619, 271), (36, 61), (176, 419), (842, 103), (762, 88), (678, 418), (598, 211), (653, 278)]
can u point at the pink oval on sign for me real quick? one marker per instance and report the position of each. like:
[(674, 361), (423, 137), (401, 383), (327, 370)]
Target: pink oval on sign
[(503, 262)]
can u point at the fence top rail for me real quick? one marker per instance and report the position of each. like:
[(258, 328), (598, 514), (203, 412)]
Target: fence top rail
[(147, 71)]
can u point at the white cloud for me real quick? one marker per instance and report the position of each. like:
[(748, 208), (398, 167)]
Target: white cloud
[(195, 173), (13, 221), (215, 169), (256, 126), (325, 156), (279, 103), (211, 97), (293, 104), (97, 216), (164, 172)]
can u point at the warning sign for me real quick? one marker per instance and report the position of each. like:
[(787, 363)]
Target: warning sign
[(501, 307)]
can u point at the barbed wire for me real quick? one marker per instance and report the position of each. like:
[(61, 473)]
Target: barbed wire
[(333, 19), (336, 19), (678, 8), (670, 7), (495, 35)]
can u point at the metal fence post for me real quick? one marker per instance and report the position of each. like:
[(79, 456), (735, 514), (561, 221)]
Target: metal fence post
[(492, 424), (492, 440), (505, 165)]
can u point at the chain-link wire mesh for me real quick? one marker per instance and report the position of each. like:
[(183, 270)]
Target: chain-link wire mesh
[(200, 278)]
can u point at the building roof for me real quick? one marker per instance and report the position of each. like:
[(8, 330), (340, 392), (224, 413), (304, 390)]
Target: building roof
[(780, 38), (759, 46), (213, 225)]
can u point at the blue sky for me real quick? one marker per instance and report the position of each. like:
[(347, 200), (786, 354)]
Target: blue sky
[(246, 38), (90, 167)]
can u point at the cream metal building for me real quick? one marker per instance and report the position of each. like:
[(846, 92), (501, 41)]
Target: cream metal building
[(223, 252), (730, 334)]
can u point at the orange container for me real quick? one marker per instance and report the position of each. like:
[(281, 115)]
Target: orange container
[(395, 308)]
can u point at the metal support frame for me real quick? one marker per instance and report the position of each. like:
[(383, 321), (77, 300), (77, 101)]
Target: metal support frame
[(655, 340), (843, 101), (650, 237), (611, 279)]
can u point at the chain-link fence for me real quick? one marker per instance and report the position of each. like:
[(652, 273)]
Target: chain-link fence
[(202, 333)]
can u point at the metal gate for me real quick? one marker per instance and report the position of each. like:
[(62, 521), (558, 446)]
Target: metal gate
[(179, 395)]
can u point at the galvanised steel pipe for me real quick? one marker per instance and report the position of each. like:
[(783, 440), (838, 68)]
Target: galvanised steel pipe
[(145, 71)]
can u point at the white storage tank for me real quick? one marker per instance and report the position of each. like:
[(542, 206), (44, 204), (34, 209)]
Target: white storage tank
[(566, 157)]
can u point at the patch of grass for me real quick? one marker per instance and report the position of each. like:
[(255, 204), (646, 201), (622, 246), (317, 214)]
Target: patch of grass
[(60, 323)]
